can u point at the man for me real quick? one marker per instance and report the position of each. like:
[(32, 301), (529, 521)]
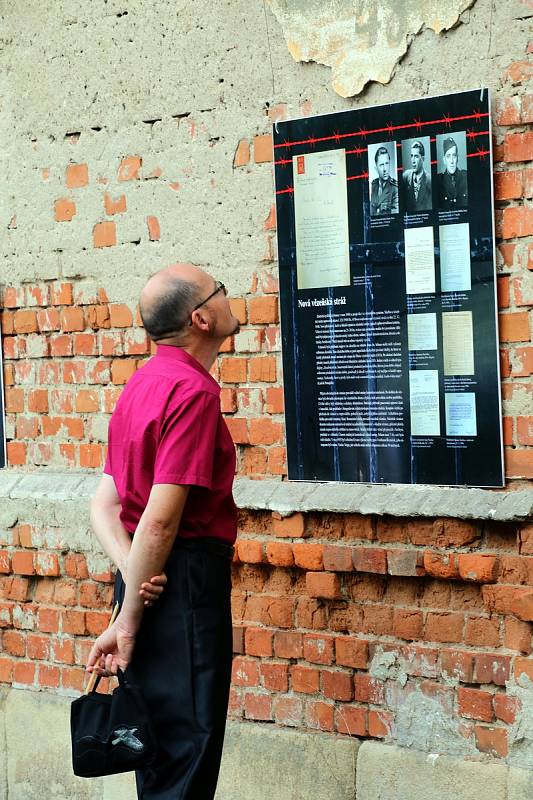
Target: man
[(417, 182), (168, 480), (384, 188), (452, 183)]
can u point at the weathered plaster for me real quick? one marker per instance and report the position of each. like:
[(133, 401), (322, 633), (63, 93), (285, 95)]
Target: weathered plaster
[(361, 40)]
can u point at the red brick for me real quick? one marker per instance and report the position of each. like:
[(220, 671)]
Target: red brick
[(263, 310), (73, 622), (48, 677), (337, 558), (350, 652), (518, 463), (288, 711), (22, 563), (61, 294), (38, 401), (117, 206), (245, 672), (455, 532), (517, 635), (475, 704), (262, 369), (319, 716), (507, 111), (279, 554), (129, 168), (14, 399), (14, 643), (318, 649), (258, 706), (104, 234), (233, 370), (289, 527), (444, 627), (523, 666), (238, 309), (458, 664), (518, 146), (323, 584), (77, 176), (265, 431), (242, 154), (380, 723), (24, 673), (73, 678), (263, 148), (493, 668), (368, 689), (48, 620), (481, 568), (524, 427), (493, 741), (258, 642), (351, 720), (369, 559), (522, 606), (274, 400), (16, 453), (506, 708), (275, 677), (407, 624), (305, 679), (25, 322), (337, 685), (228, 402), (122, 370), (482, 632), (72, 319), (308, 556), (441, 565), (120, 316), (516, 222), (288, 644), (64, 210), (508, 185), (250, 551)]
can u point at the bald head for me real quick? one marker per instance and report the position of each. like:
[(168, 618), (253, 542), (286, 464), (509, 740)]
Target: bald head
[(169, 297)]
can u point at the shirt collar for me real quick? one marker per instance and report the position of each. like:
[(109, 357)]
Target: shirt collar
[(174, 353)]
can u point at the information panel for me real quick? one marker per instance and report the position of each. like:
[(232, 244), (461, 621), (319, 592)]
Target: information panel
[(387, 291)]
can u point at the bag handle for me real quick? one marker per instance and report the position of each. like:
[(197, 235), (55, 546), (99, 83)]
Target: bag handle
[(94, 680)]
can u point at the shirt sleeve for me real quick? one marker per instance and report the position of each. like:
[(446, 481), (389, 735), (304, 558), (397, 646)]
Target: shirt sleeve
[(186, 447)]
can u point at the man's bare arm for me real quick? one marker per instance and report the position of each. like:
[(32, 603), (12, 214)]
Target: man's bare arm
[(150, 549), (106, 524)]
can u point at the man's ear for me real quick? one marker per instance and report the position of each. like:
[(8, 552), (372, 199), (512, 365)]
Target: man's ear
[(200, 319)]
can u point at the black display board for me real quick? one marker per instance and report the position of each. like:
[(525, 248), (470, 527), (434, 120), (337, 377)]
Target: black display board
[(387, 291)]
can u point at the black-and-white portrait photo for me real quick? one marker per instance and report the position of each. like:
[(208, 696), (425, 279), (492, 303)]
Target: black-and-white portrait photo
[(452, 170), (416, 175), (382, 175)]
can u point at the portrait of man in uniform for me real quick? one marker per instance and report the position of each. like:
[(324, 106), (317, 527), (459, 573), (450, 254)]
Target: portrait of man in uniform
[(384, 187), (416, 177), (452, 178)]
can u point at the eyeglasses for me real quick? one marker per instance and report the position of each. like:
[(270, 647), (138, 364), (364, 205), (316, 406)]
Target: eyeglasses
[(219, 287)]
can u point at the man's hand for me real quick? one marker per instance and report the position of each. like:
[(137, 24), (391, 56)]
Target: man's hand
[(150, 592), (113, 649)]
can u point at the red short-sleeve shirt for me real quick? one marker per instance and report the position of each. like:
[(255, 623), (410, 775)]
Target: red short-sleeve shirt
[(168, 428)]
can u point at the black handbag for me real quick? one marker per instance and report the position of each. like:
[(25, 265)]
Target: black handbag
[(111, 733)]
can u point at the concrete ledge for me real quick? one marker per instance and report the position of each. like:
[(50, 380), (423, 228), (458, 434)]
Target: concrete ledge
[(289, 497), (263, 762), (260, 762), (385, 772)]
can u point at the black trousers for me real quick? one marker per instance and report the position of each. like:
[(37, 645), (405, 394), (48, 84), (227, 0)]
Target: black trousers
[(182, 662)]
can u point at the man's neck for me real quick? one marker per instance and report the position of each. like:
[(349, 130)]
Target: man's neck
[(205, 352)]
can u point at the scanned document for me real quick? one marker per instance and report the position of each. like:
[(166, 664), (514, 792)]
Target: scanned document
[(321, 219), (419, 261), (455, 257), (422, 331), (458, 343), (460, 413), (424, 396)]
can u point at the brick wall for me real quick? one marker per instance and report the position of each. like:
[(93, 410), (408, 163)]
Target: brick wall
[(340, 620)]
